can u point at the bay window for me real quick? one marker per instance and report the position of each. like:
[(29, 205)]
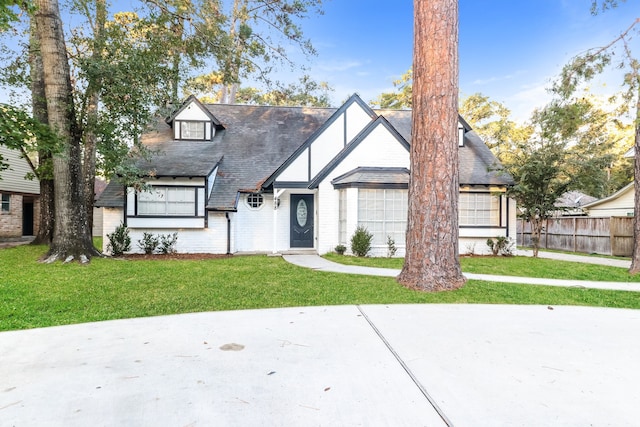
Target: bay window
[(383, 212)]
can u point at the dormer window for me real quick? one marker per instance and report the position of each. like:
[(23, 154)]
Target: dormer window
[(193, 130)]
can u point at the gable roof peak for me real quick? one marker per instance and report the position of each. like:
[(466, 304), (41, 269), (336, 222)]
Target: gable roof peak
[(191, 99)]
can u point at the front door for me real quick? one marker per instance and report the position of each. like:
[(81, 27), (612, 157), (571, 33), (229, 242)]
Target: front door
[(27, 218), (302, 220)]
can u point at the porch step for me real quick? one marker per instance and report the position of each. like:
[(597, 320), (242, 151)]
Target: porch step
[(299, 252)]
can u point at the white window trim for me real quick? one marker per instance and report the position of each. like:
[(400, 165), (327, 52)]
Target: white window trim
[(4, 203), (250, 206), (165, 189), (184, 129), (494, 210)]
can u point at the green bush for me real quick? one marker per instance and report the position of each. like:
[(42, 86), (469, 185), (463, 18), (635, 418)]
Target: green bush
[(501, 246), (340, 249), (391, 247), (119, 241), (168, 243), (149, 243), (361, 241)]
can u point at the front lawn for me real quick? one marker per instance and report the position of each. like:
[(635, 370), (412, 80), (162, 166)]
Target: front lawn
[(37, 295)]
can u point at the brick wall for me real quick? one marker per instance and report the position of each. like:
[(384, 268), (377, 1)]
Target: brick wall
[(11, 222)]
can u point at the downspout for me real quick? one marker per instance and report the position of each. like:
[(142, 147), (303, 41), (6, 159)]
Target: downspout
[(226, 214), (508, 214)]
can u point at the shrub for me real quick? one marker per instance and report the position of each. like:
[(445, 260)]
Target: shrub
[(501, 246), (148, 243), (361, 241), (340, 249), (391, 247), (119, 241), (168, 243)]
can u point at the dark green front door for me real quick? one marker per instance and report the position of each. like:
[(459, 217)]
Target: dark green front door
[(301, 221)]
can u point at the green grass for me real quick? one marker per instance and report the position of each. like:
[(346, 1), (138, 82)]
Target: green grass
[(37, 295), (513, 266)]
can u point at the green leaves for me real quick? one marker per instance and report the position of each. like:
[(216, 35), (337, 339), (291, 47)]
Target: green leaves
[(19, 131)]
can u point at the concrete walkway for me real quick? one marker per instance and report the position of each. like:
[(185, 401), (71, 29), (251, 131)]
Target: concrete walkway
[(374, 365), (316, 262)]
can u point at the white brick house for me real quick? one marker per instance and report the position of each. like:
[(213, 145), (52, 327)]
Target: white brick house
[(239, 178)]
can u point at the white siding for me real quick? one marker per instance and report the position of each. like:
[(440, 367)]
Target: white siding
[(210, 240), (255, 230), (165, 222), (619, 205), (111, 219), (327, 146), (192, 112), (13, 180), (357, 119), (379, 149), (298, 170)]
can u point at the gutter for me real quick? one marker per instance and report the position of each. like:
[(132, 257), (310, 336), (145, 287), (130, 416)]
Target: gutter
[(228, 233)]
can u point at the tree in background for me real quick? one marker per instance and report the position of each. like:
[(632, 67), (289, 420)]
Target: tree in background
[(492, 121), (307, 93), (584, 67), (432, 259), (540, 181), (401, 98)]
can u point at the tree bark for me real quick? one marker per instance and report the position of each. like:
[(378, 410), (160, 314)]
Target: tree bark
[(44, 233), (93, 94), (432, 258), (71, 238)]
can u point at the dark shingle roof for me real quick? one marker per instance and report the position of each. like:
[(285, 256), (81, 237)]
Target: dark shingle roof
[(478, 165), (256, 140), (373, 176)]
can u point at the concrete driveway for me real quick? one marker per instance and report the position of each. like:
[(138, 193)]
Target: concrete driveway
[(374, 365)]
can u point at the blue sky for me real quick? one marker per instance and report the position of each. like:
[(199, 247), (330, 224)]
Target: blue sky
[(509, 49)]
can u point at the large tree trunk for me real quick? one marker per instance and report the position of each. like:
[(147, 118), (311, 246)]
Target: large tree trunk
[(44, 234), (93, 91), (432, 259), (71, 237)]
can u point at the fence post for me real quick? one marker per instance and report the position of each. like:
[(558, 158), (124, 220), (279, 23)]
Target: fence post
[(546, 235), (575, 234)]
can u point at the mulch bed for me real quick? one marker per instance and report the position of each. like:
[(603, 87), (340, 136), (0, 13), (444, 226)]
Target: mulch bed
[(191, 257)]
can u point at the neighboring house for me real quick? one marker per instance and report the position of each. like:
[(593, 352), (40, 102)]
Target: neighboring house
[(19, 197), (98, 188), (256, 179), (620, 203), (572, 203)]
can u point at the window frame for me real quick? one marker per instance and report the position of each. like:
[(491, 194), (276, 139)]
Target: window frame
[(494, 211), (187, 137), (259, 200), (166, 189), (391, 226), (5, 203)]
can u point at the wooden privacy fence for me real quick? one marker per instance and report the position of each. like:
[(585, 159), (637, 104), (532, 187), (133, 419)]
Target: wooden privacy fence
[(606, 236)]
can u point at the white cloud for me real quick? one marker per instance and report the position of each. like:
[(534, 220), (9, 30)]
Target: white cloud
[(339, 66)]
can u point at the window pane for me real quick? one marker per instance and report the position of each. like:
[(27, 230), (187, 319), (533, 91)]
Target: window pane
[(383, 213), (167, 201), (481, 209), (192, 130), (6, 203)]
